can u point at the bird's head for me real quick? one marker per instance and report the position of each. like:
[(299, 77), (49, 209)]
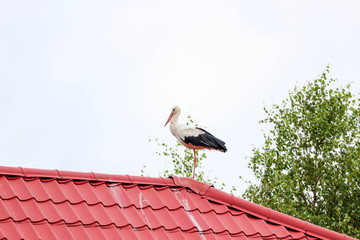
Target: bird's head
[(174, 111)]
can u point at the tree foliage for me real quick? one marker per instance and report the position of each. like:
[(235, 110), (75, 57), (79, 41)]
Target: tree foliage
[(309, 165)]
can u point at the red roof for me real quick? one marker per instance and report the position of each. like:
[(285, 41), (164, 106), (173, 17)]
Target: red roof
[(53, 204)]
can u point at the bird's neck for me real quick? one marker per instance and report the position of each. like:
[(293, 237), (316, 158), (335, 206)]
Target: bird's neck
[(174, 119), (174, 124)]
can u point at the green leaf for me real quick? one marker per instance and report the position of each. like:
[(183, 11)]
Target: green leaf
[(309, 164)]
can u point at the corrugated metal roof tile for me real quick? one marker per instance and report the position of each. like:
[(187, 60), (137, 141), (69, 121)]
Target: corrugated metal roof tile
[(279, 230), (134, 218), (10, 231), (263, 227), (179, 219), (245, 224), (100, 214), (68, 213), (118, 196), (106, 196), (37, 189), (153, 197), (88, 193), (4, 214), (5, 188), (53, 204), (127, 232), (168, 197), (14, 209), (51, 213), (70, 191), (28, 232), (232, 223), (53, 190), (119, 216), (214, 220)]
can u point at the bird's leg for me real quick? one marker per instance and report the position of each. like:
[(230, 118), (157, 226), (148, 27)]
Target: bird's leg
[(194, 164)]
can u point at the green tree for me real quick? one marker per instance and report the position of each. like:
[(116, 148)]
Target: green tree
[(309, 165)]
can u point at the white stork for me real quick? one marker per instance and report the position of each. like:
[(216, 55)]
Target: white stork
[(193, 138)]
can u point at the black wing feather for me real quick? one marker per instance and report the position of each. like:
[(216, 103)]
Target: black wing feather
[(206, 139)]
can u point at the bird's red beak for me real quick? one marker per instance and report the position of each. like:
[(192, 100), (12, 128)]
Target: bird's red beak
[(170, 117)]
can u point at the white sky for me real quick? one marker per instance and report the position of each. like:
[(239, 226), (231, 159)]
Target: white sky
[(85, 84)]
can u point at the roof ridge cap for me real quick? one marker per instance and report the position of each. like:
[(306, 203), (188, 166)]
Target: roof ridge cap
[(89, 176), (200, 188)]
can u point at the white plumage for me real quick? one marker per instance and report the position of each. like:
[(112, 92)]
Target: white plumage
[(193, 138)]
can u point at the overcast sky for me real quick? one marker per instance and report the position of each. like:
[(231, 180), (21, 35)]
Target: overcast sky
[(85, 84)]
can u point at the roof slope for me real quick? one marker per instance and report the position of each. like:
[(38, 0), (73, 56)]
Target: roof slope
[(53, 204)]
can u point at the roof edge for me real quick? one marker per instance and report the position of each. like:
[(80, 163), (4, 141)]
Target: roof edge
[(90, 176), (197, 186)]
